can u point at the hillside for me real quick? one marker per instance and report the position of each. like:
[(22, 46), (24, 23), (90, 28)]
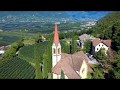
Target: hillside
[(109, 28), (89, 15), (106, 22)]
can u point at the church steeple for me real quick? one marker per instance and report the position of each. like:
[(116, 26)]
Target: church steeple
[(56, 36), (56, 47)]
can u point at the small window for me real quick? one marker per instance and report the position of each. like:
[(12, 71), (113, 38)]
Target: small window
[(97, 48), (99, 45), (54, 50), (102, 45), (58, 50), (83, 70)]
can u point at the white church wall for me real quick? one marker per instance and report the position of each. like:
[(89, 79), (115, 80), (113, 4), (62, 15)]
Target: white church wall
[(83, 70), (54, 76), (56, 56)]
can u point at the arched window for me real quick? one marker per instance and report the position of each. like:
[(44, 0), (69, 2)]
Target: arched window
[(58, 50), (97, 48), (53, 50), (83, 70)]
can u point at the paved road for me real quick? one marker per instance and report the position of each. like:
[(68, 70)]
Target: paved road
[(92, 60)]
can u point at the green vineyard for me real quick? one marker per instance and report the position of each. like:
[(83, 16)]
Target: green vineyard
[(16, 68), (27, 52)]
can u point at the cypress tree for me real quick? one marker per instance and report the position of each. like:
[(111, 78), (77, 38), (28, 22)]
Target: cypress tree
[(62, 75), (49, 55), (45, 69), (73, 44), (70, 48), (37, 63)]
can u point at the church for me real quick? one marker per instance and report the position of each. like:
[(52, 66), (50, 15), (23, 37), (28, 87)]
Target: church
[(74, 66)]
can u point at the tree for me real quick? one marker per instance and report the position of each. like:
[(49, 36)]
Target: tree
[(114, 73), (65, 46), (37, 64), (11, 51), (61, 35), (62, 75), (110, 74), (87, 46), (49, 55), (73, 44), (100, 55), (18, 44), (45, 62), (98, 74), (116, 37), (39, 38)]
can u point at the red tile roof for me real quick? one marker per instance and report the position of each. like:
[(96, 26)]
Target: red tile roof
[(68, 70), (96, 41), (107, 42), (2, 47), (56, 36)]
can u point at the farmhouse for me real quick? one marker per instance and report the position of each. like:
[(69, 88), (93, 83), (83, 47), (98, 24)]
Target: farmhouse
[(97, 44)]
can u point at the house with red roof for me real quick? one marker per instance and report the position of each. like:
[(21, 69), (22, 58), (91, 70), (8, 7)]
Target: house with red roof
[(97, 44), (2, 51)]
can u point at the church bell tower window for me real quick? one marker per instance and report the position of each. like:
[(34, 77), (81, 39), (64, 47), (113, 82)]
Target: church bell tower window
[(58, 50), (54, 50)]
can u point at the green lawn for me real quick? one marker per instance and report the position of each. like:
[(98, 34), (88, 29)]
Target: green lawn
[(18, 34)]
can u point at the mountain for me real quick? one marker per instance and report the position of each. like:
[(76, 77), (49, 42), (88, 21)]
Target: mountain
[(88, 15), (50, 16)]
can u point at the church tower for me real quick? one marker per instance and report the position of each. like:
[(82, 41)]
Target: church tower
[(56, 47)]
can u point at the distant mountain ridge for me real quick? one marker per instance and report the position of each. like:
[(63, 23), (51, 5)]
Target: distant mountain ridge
[(88, 15), (16, 16)]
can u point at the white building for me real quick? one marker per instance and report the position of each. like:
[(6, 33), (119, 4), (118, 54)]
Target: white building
[(2, 52), (97, 44)]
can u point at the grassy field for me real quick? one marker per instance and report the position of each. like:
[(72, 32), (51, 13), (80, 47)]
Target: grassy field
[(18, 34), (7, 38)]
